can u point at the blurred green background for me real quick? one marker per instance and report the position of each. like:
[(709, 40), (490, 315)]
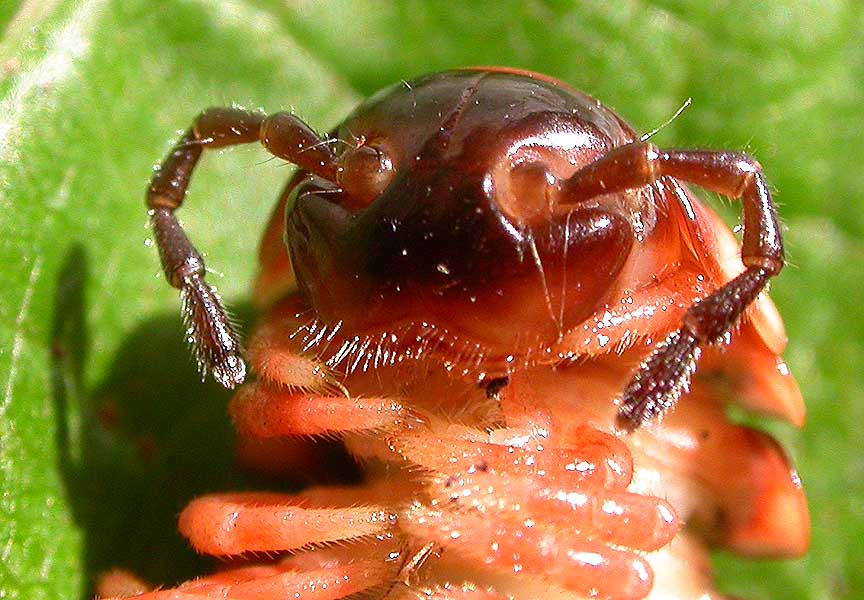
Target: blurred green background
[(105, 432)]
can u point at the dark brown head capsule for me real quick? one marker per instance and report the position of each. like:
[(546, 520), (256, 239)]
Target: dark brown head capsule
[(470, 230), (504, 210)]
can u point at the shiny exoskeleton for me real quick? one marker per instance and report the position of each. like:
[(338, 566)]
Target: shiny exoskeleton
[(487, 214)]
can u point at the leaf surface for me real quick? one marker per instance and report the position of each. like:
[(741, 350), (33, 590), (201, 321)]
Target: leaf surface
[(105, 431)]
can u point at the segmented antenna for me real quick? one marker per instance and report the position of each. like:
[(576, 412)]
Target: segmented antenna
[(660, 381), (208, 329), (208, 326)]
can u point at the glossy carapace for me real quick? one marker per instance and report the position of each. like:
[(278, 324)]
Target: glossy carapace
[(469, 230)]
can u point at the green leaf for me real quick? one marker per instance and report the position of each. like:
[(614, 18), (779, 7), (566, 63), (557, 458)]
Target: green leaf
[(105, 432)]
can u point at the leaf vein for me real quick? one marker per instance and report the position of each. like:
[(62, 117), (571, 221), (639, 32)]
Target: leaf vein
[(18, 339)]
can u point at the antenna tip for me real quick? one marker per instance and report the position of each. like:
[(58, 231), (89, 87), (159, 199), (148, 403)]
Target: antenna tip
[(231, 372)]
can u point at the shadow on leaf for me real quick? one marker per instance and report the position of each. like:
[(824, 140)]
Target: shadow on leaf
[(135, 450)]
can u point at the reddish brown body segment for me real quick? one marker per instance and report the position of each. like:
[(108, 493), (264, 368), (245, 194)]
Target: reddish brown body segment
[(479, 260)]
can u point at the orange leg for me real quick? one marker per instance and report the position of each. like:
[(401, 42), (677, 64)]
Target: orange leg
[(232, 524), (259, 410), (611, 517), (524, 546), (281, 581), (276, 361), (603, 460)]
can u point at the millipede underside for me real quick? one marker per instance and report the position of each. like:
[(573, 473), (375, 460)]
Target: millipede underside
[(521, 490)]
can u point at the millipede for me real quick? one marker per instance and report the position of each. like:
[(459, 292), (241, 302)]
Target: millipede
[(525, 332)]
